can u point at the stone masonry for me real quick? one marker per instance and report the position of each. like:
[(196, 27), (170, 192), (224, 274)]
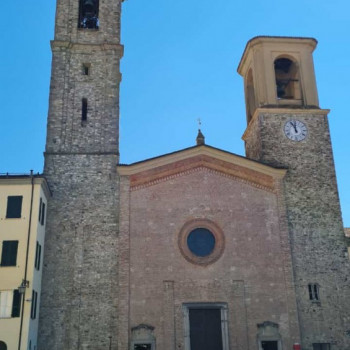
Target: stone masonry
[(79, 303), (318, 244)]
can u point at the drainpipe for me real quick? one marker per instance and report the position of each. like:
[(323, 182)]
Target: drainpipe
[(27, 254)]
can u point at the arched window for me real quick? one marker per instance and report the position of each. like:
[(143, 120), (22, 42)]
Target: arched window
[(250, 95), (287, 79), (3, 346), (88, 14)]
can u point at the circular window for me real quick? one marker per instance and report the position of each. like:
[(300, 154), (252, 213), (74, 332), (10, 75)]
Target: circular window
[(201, 241)]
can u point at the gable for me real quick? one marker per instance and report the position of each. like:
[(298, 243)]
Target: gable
[(177, 164)]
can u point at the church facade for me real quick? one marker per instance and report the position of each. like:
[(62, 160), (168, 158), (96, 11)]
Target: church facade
[(200, 248)]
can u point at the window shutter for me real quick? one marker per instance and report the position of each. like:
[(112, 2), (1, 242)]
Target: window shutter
[(16, 305), (14, 207), (6, 298), (34, 302), (43, 214), (40, 205), (9, 253), (39, 257)]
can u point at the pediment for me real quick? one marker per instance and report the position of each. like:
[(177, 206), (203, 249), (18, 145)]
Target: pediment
[(151, 171)]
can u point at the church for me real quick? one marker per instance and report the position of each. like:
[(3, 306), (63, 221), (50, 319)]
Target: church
[(199, 249)]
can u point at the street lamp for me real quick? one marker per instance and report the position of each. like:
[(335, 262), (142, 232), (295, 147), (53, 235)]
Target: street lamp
[(23, 286)]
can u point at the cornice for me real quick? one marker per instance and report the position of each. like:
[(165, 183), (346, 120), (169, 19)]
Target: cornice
[(204, 158), (147, 165), (312, 42), (58, 45), (26, 181), (148, 183)]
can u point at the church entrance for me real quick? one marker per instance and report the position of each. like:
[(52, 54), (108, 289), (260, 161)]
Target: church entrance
[(205, 329), (269, 345)]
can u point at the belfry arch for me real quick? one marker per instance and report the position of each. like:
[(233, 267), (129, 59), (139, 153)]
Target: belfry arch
[(250, 95), (287, 77)]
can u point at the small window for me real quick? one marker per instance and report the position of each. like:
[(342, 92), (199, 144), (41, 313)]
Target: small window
[(3, 346), (37, 256), (14, 207), (314, 294), (16, 305), (34, 304), (43, 206), (84, 109), (321, 346), (86, 69), (142, 346), (9, 253)]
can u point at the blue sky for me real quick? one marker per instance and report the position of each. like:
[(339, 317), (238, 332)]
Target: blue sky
[(179, 65)]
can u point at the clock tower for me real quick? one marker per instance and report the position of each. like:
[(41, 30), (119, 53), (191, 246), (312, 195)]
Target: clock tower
[(287, 128)]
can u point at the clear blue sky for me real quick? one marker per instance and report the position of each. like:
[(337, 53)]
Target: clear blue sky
[(179, 65)]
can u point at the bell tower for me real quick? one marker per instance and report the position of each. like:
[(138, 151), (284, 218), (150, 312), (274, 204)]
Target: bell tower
[(287, 128), (79, 302)]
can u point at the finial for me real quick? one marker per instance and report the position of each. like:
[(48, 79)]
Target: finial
[(200, 137)]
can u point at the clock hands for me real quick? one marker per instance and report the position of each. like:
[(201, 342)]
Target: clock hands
[(295, 126)]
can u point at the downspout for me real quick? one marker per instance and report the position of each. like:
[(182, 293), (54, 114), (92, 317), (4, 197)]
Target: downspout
[(27, 254)]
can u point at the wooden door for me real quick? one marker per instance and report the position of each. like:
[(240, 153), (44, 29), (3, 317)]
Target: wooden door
[(205, 329)]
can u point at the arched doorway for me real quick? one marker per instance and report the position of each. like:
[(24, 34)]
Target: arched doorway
[(3, 346)]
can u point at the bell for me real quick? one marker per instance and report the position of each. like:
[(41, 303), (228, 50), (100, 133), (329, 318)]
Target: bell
[(89, 6)]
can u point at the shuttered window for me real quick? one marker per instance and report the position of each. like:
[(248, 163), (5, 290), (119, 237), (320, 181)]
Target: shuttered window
[(6, 299), (37, 256), (40, 205), (14, 207), (9, 253), (43, 213), (34, 304), (16, 304)]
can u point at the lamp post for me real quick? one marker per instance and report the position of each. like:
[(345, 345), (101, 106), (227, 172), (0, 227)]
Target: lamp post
[(23, 286)]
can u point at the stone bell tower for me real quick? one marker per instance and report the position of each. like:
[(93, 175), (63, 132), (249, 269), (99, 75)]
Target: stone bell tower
[(79, 303), (286, 128)]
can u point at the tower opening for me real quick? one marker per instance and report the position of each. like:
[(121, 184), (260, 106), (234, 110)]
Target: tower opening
[(88, 14), (287, 79), (250, 96), (84, 109)]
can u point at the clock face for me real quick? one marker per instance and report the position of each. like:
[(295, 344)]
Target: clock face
[(295, 130)]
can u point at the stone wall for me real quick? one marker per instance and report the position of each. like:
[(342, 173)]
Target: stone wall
[(79, 303), (79, 294), (315, 223)]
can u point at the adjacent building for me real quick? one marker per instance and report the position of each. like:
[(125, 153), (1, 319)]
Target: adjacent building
[(23, 203)]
